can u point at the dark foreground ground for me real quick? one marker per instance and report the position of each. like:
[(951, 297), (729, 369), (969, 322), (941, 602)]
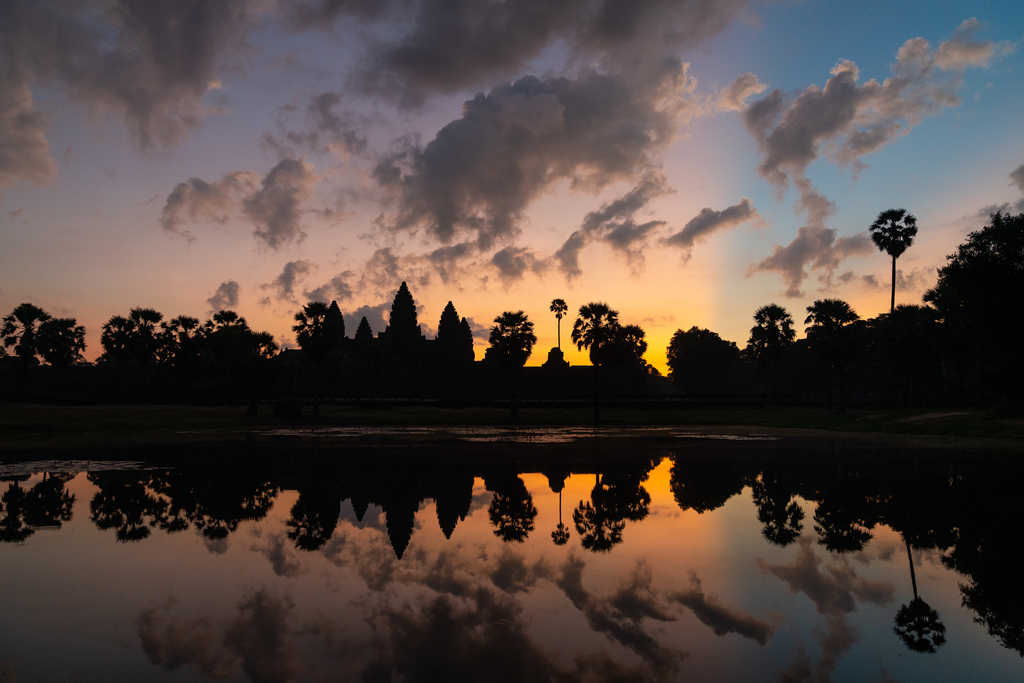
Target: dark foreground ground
[(29, 426)]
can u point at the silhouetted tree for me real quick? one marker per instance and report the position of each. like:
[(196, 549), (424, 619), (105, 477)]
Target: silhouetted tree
[(183, 346), (780, 515), (829, 335), (261, 349), (512, 510), (971, 298), (21, 328), (61, 342), (893, 232), (699, 361), (595, 326), (512, 341), (317, 332), (771, 334), (559, 308)]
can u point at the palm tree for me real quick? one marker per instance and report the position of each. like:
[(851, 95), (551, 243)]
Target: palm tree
[(893, 232), (595, 326), (771, 334), (828, 334), (512, 341), (318, 338), (559, 308), (61, 341), (20, 330)]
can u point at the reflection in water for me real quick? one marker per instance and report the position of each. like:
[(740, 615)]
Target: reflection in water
[(457, 605)]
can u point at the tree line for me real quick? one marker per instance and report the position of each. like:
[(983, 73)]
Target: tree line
[(962, 342)]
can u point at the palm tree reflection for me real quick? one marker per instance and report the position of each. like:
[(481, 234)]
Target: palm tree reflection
[(917, 624), (512, 510)]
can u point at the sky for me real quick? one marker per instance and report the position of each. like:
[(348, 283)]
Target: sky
[(684, 161)]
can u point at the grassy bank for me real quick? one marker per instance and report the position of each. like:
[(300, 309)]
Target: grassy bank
[(22, 425)]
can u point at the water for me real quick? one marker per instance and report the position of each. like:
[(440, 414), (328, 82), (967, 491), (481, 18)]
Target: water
[(676, 559)]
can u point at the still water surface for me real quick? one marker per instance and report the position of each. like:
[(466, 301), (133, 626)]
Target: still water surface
[(667, 561)]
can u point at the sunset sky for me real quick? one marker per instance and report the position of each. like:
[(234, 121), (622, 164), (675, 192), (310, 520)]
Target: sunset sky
[(684, 161)]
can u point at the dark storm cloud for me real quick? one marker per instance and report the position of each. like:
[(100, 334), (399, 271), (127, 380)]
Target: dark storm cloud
[(481, 171), (709, 221), (614, 224), (335, 289), (621, 623), (276, 208), (226, 296), (721, 619), (24, 152), (196, 200), (150, 63), (284, 284)]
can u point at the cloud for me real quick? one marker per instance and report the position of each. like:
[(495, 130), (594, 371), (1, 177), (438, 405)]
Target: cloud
[(619, 619), (709, 221), (474, 180), (259, 637), (512, 575), (514, 262), (614, 224), (816, 245), (170, 643), (226, 296), (276, 208), (282, 560), (960, 52), (719, 618), (834, 591), (844, 120), (24, 152), (916, 280), (447, 47), (197, 200), (149, 63), (285, 283), (337, 288), (733, 97), (326, 131), (374, 316), (1017, 176)]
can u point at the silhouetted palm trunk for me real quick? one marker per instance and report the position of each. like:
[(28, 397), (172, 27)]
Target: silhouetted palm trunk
[(892, 300), (775, 382), (597, 389), (913, 577)]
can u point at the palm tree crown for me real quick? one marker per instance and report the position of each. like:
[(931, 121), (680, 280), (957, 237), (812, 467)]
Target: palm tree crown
[(512, 339), (771, 333), (893, 232), (559, 308), (20, 329), (595, 326)]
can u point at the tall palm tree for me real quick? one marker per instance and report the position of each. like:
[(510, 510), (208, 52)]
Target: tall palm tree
[(595, 327), (512, 341), (893, 232), (828, 333), (771, 334), (559, 308), (20, 330)]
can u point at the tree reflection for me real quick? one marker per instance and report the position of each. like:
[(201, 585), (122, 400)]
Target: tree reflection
[(917, 624), (313, 519), (777, 511), (512, 510), (703, 485), (13, 527), (844, 518), (124, 503), (614, 499)]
